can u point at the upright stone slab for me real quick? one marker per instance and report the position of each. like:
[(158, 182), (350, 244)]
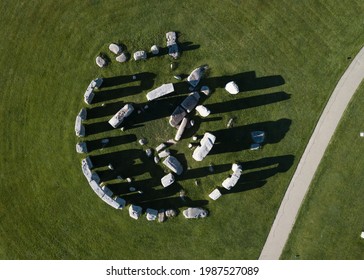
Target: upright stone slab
[(173, 164)]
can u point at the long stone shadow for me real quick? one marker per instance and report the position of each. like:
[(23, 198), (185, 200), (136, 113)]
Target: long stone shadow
[(204, 172), (173, 202), (238, 138), (266, 168), (193, 130), (113, 141), (161, 198), (97, 127), (108, 109), (157, 109), (183, 47), (248, 102), (119, 159), (145, 79), (246, 81)]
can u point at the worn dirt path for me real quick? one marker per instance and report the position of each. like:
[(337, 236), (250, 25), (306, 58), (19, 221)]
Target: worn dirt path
[(311, 158)]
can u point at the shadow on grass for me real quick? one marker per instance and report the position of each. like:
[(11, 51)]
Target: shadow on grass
[(108, 109), (148, 192), (120, 160), (113, 141), (145, 80), (248, 102), (155, 197), (256, 172), (204, 171), (238, 138), (112, 109), (247, 81), (183, 47)]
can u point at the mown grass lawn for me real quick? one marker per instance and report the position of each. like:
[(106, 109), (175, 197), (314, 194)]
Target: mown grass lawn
[(331, 219), (286, 57)]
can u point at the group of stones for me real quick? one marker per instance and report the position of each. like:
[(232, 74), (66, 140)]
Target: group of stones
[(178, 119), (122, 55)]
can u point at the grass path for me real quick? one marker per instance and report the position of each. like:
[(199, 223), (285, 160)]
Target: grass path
[(311, 158)]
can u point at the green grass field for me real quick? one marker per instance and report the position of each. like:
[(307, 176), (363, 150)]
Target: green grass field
[(331, 219), (287, 58)]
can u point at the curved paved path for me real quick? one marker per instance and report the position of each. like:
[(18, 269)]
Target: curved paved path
[(311, 158)]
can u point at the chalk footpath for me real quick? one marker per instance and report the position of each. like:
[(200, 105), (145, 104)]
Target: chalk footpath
[(311, 158)]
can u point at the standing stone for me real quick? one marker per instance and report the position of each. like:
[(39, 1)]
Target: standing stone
[(148, 152), (154, 49), (122, 58), (101, 62), (161, 216), (232, 88)]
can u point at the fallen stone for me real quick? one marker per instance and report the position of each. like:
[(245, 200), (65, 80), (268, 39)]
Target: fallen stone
[(163, 90), (119, 117), (190, 102), (181, 129), (195, 213), (177, 116), (215, 194)]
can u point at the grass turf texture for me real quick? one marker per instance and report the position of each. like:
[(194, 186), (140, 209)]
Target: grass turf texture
[(331, 219), (48, 211)]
